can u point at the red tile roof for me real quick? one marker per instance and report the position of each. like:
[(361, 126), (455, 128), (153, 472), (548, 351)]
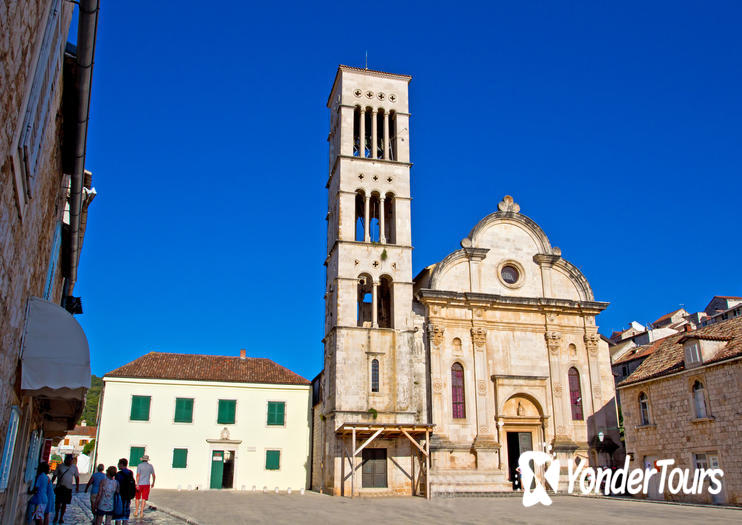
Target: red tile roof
[(667, 316), (198, 367), (80, 430), (669, 356), (637, 352)]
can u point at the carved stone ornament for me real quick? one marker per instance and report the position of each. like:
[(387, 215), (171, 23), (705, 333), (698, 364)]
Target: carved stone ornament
[(436, 334), (557, 390), (553, 340), (507, 204), (596, 393), (591, 342), (551, 317), (225, 433), (437, 385), (481, 387), (479, 336), (484, 429), (561, 431)]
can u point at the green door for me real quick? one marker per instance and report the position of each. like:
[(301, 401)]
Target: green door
[(217, 469)]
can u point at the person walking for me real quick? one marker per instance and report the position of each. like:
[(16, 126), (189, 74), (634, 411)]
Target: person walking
[(64, 474), (145, 481), (127, 490), (50, 499), (40, 500), (107, 491), (94, 485)]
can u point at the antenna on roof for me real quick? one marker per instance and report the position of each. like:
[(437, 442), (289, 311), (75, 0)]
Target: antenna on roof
[(366, 60)]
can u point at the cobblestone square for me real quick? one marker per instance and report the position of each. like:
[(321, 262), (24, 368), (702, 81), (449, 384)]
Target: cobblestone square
[(234, 507), (78, 513)]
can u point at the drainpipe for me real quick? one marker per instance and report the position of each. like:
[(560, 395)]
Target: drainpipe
[(86, 32)]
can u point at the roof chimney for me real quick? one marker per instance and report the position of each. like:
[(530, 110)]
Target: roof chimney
[(242, 354)]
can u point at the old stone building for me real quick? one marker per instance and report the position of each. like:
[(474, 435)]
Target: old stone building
[(43, 208), (683, 403), (437, 383)]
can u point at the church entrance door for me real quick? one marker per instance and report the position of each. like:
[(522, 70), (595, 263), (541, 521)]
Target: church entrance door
[(518, 442)]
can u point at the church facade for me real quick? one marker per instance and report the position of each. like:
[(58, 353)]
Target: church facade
[(437, 383)]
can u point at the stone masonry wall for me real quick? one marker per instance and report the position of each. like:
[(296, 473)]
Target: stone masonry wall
[(25, 242), (675, 433)]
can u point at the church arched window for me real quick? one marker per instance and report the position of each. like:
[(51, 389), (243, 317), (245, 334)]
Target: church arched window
[(458, 403), (375, 375), (575, 394)]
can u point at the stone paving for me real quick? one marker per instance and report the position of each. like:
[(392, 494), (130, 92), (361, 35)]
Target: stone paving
[(209, 507), (78, 513)]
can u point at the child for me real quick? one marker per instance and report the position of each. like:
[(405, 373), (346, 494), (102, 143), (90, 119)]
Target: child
[(40, 499), (107, 490)]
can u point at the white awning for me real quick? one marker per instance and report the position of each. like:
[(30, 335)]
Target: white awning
[(56, 357)]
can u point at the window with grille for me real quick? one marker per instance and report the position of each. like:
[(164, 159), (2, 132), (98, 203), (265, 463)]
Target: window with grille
[(458, 403), (140, 408), (375, 375), (575, 394), (276, 413), (39, 107), (226, 411), (183, 410)]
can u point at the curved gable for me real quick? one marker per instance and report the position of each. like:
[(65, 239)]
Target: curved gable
[(507, 237)]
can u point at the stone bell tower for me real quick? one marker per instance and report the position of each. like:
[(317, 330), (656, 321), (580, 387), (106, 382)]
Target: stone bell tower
[(374, 366)]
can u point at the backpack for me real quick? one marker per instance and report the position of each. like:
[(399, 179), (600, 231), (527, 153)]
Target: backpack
[(128, 487)]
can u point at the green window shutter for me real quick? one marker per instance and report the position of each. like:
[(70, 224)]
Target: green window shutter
[(226, 411), (183, 410), (140, 408), (180, 458), (272, 459), (276, 410), (135, 456)]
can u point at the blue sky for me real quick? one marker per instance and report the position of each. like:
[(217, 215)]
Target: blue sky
[(615, 127)]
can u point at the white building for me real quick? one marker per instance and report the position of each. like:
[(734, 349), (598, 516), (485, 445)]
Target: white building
[(208, 421)]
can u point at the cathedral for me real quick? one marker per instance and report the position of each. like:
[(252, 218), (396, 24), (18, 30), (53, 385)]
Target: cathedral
[(437, 383)]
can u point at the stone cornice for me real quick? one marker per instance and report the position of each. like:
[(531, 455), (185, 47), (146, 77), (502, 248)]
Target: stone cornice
[(427, 295), (338, 158), (476, 254)]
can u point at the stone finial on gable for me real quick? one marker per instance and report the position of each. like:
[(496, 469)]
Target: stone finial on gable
[(507, 204)]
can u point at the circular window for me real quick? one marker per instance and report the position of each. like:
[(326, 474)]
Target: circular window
[(510, 274)]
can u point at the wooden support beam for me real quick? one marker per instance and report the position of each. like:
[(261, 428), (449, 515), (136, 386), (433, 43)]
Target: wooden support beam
[(414, 442), (369, 440), (353, 467), (427, 464)]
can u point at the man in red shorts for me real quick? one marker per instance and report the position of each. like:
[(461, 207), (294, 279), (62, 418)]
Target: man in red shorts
[(145, 481)]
